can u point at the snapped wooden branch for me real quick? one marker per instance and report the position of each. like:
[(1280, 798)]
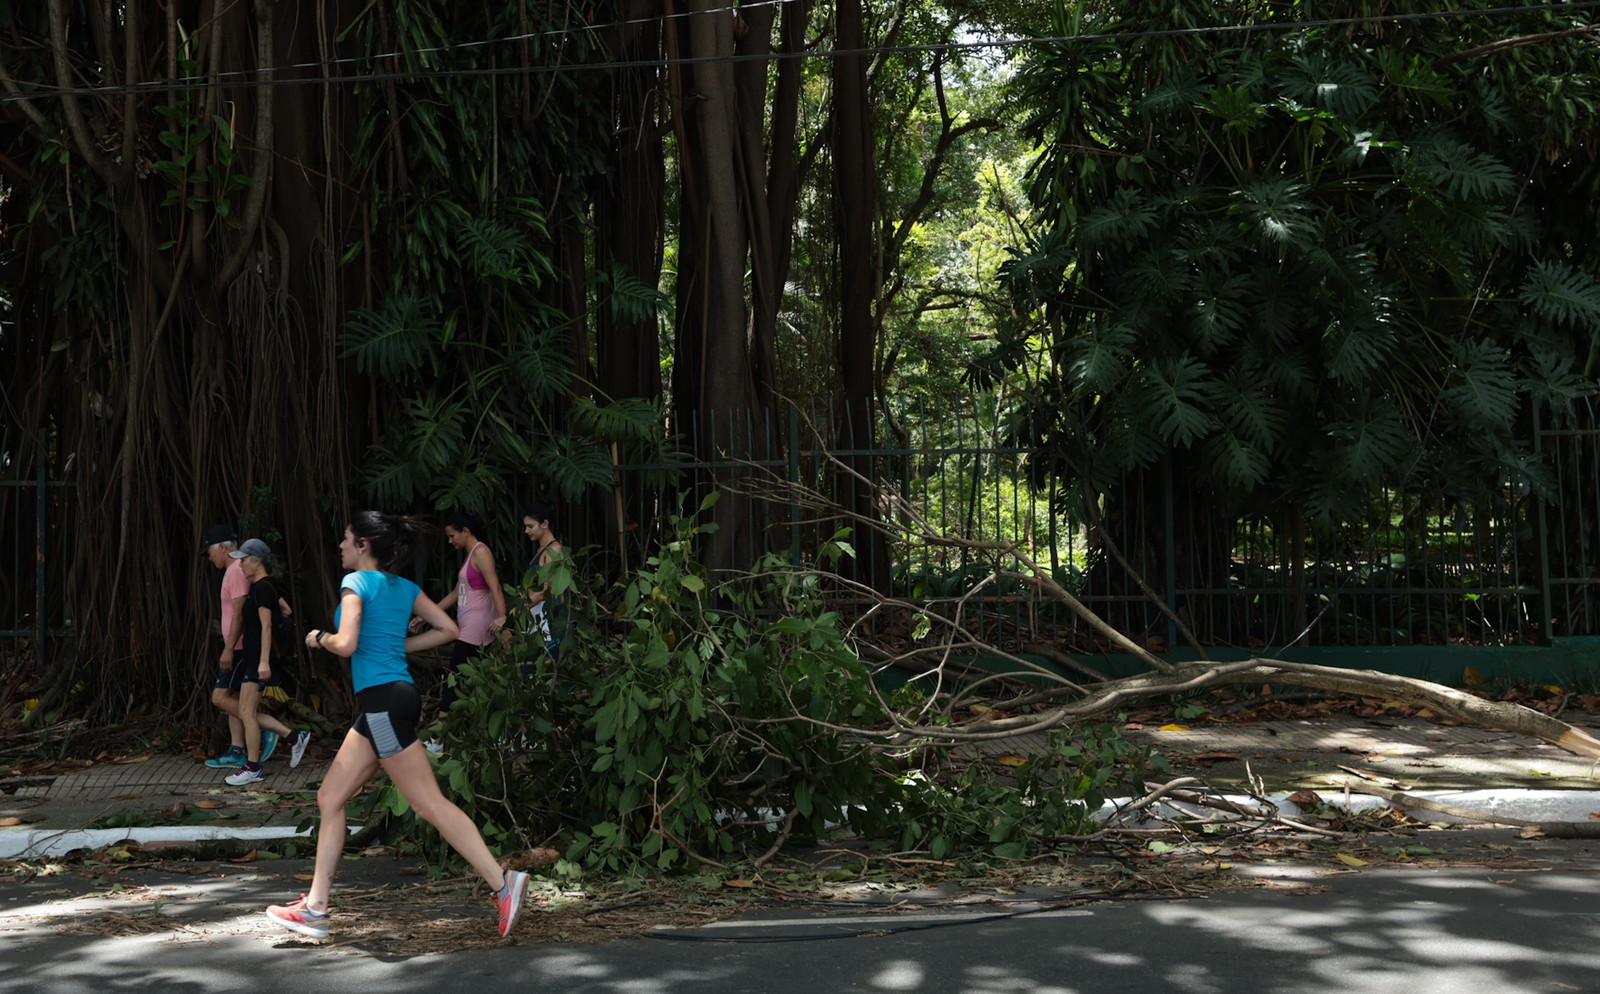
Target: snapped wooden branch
[(1184, 678)]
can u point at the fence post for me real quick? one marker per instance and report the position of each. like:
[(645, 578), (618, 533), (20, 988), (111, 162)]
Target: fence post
[(1541, 534), (41, 503), (1171, 551), (794, 484)]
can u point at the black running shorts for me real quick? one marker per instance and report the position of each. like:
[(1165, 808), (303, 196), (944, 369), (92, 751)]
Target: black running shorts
[(390, 713)]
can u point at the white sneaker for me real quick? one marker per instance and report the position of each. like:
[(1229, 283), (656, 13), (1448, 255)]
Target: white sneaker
[(434, 745), (297, 751), (245, 776)]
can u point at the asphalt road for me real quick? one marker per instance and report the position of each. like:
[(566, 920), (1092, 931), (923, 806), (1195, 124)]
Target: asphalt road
[(1529, 922)]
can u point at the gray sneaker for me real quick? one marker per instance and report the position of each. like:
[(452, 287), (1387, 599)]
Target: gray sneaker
[(245, 776)]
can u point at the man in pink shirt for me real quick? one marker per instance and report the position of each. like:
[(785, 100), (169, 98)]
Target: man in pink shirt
[(216, 543)]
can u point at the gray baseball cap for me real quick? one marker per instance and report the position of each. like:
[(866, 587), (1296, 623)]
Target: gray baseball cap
[(253, 548)]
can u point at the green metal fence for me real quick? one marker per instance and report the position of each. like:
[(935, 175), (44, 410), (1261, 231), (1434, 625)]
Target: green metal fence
[(1519, 567), (34, 546), (1414, 569)]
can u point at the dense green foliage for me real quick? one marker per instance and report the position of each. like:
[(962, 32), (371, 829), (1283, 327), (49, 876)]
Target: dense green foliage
[(1308, 260), (702, 723), (470, 334)]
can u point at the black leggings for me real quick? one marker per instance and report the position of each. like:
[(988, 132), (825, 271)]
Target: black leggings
[(462, 652)]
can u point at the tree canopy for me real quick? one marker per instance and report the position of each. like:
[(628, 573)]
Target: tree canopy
[(1308, 250)]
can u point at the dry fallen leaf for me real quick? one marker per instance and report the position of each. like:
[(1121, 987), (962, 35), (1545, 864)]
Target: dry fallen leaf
[(737, 883), (1349, 860), (1305, 800), (1211, 757), (210, 804)]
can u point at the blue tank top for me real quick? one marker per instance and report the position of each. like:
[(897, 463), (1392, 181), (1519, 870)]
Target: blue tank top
[(386, 602)]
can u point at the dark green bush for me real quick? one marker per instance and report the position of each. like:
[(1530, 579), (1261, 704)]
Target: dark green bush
[(703, 722)]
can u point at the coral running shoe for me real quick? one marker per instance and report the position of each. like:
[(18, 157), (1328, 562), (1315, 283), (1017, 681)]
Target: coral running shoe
[(508, 899), (300, 918)]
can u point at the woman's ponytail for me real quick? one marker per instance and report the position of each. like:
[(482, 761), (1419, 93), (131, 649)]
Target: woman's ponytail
[(393, 538)]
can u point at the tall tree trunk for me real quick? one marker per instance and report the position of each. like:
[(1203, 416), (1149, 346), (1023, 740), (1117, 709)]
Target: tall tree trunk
[(629, 230), (723, 378), (855, 186)]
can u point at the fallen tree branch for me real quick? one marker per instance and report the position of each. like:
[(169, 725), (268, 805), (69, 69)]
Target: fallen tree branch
[(781, 839), (1403, 800), (1185, 677), (1263, 811), (1152, 797)]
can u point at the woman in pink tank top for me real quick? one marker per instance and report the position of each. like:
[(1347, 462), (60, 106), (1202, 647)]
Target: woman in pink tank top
[(478, 599)]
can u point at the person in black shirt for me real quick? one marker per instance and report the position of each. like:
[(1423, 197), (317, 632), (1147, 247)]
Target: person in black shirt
[(257, 665)]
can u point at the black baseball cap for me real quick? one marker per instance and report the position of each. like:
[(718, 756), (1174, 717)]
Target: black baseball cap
[(216, 533)]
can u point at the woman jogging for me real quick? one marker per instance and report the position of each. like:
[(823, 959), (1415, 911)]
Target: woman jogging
[(479, 602), (375, 608), (536, 525)]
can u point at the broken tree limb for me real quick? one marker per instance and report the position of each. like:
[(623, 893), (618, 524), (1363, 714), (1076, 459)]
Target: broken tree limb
[(1262, 810), (1188, 677)]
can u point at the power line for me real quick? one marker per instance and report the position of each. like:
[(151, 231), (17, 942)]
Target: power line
[(268, 76)]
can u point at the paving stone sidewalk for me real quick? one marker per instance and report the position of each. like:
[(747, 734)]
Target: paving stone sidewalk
[(80, 798)]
